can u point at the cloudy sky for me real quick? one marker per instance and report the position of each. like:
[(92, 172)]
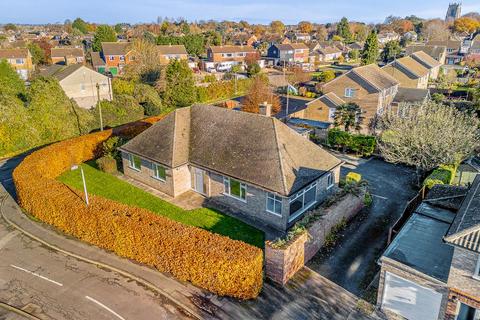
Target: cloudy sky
[(254, 11)]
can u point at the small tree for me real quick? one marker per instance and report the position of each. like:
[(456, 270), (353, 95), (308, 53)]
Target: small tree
[(369, 53), (427, 135), (38, 55), (391, 51), (343, 30), (104, 33), (146, 67), (354, 54), (80, 25), (348, 115), (260, 92), (326, 76), (179, 84)]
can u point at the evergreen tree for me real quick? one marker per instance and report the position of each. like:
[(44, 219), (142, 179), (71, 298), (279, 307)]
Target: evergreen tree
[(343, 30), (104, 33), (179, 84), (369, 53), (391, 51)]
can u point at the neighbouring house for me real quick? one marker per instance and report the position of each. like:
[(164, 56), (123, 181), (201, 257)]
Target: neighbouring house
[(170, 52), (428, 62), (300, 36), (321, 109), (453, 50), (254, 165), (431, 268), (438, 53), (81, 84), (289, 54), (369, 86), (329, 54), (20, 59), (223, 58), (410, 36), (384, 37), (67, 56), (409, 72), (116, 56)]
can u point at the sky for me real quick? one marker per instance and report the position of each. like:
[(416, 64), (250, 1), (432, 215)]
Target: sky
[(253, 11)]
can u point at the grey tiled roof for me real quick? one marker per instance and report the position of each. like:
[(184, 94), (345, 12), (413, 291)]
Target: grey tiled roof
[(465, 229), (253, 148)]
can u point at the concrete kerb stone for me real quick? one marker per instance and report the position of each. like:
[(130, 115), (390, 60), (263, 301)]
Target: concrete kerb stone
[(4, 195), (18, 311)]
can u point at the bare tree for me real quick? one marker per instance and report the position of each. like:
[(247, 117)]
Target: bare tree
[(435, 29), (427, 135), (146, 66)]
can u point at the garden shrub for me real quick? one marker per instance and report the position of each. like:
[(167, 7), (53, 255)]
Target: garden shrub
[(211, 261), (353, 177), (443, 175), (360, 144), (107, 164)]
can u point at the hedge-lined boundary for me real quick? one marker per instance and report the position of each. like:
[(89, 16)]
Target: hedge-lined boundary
[(444, 174), (358, 143), (213, 262)]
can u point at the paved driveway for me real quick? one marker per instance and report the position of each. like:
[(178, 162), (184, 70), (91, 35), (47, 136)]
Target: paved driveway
[(352, 262)]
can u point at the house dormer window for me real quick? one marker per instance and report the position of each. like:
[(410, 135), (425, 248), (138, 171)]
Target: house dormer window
[(349, 92)]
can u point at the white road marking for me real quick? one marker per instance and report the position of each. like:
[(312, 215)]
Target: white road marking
[(8, 237), (105, 307), (384, 198), (37, 275)]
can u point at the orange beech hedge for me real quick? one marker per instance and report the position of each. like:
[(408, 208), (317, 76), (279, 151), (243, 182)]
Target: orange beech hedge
[(211, 261)]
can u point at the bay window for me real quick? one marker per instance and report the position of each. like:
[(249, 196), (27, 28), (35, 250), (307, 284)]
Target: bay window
[(235, 188), (302, 201)]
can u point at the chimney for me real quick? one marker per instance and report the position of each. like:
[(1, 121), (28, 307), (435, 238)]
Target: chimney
[(265, 109)]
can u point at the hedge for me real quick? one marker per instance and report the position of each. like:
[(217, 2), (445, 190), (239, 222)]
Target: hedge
[(358, 143), (443, 175), (211, 261)]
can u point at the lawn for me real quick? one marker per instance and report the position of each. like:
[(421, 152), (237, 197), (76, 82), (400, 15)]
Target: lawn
[(111, 187)]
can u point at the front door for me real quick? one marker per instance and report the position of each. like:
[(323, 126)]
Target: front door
[(198, 183)]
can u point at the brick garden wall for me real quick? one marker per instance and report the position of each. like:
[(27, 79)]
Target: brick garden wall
[(282, 264)]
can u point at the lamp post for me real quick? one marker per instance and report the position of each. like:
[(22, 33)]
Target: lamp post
[(75, 167)]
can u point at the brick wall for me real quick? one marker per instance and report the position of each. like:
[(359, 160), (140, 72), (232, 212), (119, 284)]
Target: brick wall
[(455, 297), (282, 264), (462, 270), (414, 276)]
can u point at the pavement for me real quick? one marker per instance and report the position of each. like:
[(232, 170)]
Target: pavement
[(52, 275), (351, 263)]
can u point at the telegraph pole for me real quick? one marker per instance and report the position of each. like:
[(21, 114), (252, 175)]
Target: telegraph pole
[(99, 107)]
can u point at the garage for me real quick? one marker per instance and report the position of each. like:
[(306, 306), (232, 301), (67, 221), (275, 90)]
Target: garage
[(409, 299)]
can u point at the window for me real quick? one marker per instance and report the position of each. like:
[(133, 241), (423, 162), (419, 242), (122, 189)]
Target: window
[(274, 203), (122, 58), (349, 92), (235, 188), (19, 61), (111, 58), (241, 54), (82, 87), (159, 172), (135, 162), (303, 200), (331, 114), (465, 312), (330, 181)]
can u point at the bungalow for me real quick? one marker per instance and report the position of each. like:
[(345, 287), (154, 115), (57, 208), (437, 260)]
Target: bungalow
[(20, 60), (169, 52), (252, 164), (292, 53), (116, 55), (409, 72), (370, 87), (81, 84), (67, 56)]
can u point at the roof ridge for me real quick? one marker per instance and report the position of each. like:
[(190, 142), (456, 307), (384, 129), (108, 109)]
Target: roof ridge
[(174, 135), (365, 79), (284, 183)]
